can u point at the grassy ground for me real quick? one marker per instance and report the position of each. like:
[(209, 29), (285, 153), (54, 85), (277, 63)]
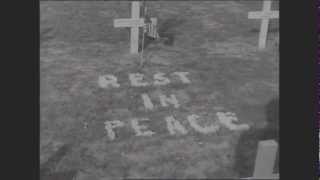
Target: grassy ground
[(213, 40)]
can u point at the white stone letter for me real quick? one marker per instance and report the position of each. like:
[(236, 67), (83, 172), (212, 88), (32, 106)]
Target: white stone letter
[(227, 119), (205, 130), (147, 102), (107, 81), (141, 129), (174, 126), (159, 79), (110, 125), (136, 80), (183, 77), (172, 100)]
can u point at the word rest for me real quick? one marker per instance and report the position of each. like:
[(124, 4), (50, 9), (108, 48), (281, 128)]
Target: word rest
[(225, 119), (137, 79)]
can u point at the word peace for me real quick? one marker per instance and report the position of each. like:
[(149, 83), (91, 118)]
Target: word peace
[(174, 127)]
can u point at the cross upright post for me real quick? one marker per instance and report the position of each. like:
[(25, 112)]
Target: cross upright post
[(135, 14), (266, 14)]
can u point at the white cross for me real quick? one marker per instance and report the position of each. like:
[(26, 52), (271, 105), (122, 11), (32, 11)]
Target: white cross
[(134, 23), (266, 14), (265, 160)]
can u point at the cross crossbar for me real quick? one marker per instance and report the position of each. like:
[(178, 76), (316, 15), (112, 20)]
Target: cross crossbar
[(128, 22), (263, 15)]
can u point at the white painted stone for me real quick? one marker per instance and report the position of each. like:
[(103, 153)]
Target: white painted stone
[(160, 79), (136, 80), (205, 130), (147, 102), (110, 125), (141, 130), (227, 119), (164, 100), (183, 77), (175, 126), (107, 81), (265, 159)]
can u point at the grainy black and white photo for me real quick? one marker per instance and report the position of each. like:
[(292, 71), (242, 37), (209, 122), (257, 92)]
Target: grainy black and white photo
[(159, 89)]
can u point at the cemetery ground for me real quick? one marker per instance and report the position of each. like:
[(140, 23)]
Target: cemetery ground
[(214, 42)]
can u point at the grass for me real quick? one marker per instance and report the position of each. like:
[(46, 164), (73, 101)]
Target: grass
[(214, 41)]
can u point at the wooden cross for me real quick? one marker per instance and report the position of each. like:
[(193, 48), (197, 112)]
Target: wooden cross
[(266, 14), (265, 160), (134, 23)]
